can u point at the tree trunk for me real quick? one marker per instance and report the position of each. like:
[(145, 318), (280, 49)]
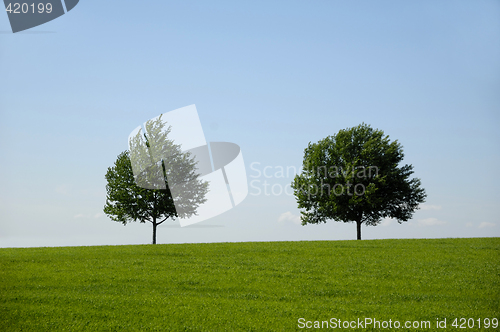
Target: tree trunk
[(358, 226), (154, 232)]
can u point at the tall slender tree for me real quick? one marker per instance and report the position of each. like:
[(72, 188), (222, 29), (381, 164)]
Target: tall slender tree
[(147, 195)]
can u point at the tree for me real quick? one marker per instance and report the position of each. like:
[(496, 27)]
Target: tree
[(354, 176), (147, 196)]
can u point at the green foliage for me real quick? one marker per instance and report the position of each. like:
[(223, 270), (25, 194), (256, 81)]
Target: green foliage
[(247, 286), (126, 201), (355, 176)]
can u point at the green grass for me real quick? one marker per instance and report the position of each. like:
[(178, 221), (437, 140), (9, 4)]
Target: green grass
[(260, 286)]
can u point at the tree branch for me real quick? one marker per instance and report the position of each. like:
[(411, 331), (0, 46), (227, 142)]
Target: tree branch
[(161, 222)]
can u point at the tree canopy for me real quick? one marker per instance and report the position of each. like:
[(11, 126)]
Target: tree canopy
[(147, 195), (355, 176)]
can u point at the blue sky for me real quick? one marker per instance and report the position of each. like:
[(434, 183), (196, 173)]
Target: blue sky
[(269, 76)]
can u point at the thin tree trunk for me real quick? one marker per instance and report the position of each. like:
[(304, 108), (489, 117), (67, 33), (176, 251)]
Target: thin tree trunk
[(358, 226), (154, 232)]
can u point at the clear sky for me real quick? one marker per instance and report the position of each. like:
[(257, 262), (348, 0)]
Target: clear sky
[(271, 76)]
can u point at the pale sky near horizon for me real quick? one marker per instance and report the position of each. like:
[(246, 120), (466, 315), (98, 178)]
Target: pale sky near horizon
[(268, 76)]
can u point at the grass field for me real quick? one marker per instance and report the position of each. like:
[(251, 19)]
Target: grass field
[(260, 286)]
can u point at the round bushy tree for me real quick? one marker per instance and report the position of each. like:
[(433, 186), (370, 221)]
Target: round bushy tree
[(356, 176)]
